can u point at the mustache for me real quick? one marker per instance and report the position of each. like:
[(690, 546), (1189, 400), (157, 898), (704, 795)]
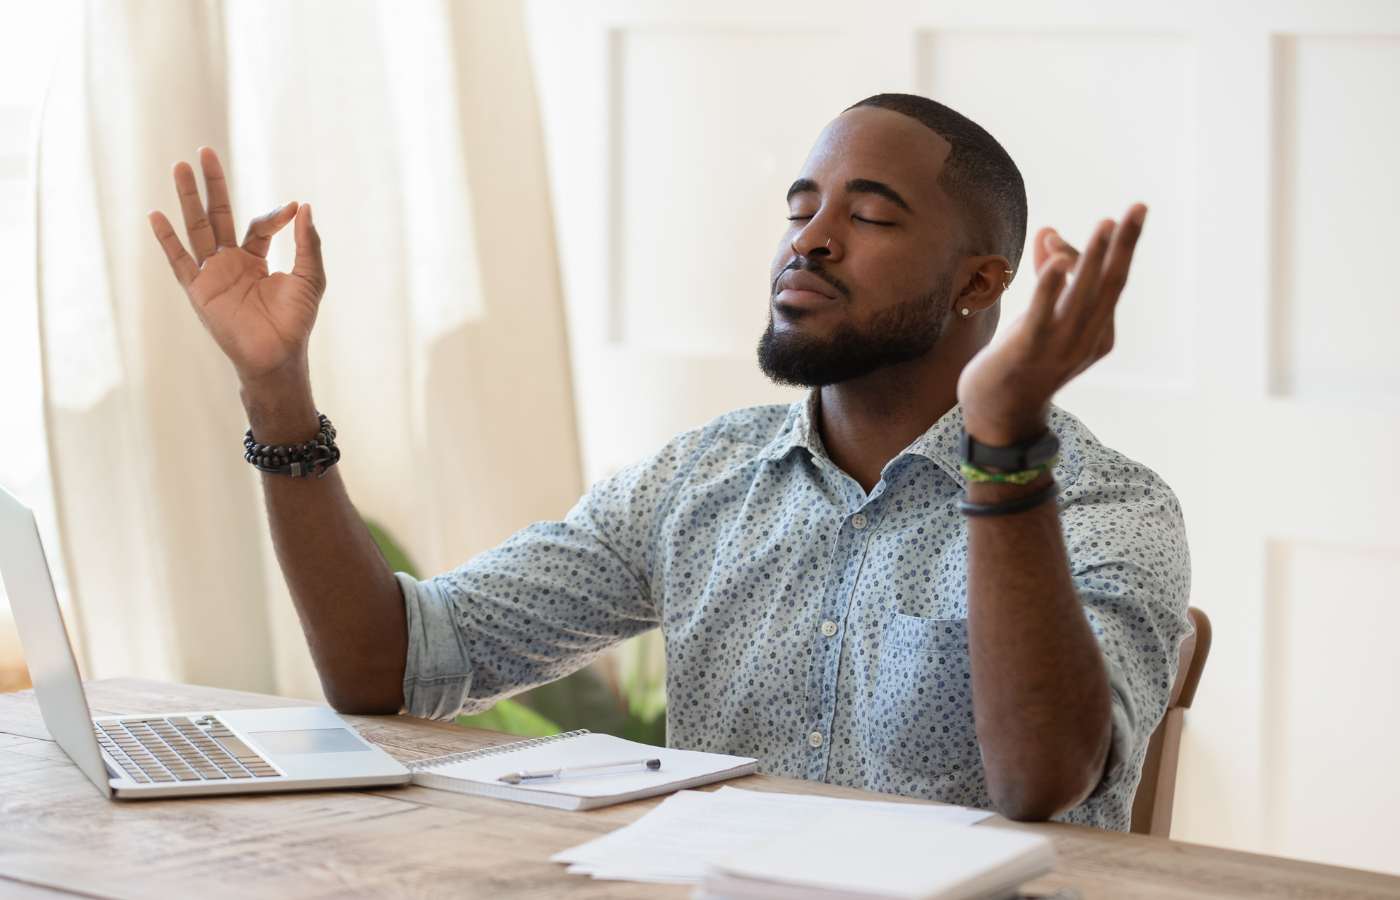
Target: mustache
[(816, 267)]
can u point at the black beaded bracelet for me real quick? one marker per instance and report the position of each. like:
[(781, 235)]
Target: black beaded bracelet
[(297, 460), (1007, 507)]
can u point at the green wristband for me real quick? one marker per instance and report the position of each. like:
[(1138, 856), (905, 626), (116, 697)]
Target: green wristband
[(976, 475)]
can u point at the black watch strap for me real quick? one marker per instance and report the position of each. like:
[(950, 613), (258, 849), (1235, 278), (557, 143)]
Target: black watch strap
[(1018, 457)]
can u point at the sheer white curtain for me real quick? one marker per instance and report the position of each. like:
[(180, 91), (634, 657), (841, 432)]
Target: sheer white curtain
[(440, 352)]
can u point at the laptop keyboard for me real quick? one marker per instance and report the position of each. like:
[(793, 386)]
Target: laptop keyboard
[(180, 748)]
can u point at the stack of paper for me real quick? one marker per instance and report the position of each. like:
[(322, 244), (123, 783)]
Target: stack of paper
[(677, 841), (860, 855)]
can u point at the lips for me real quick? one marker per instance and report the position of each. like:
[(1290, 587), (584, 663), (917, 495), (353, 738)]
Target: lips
[(798, 287)]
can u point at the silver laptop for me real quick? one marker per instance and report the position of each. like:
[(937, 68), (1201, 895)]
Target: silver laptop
[(178, 754)]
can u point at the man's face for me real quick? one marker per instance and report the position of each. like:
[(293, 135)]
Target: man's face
[(863, 275)]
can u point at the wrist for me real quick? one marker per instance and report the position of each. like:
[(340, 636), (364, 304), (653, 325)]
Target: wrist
[(1001, 418), (1004, 430), (987, 492), (280, 405)]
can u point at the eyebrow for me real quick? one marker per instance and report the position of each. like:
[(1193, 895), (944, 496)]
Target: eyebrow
[(802, 186), (866, 186), (854, 186)]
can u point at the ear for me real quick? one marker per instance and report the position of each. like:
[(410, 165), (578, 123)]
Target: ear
[(984, 280)]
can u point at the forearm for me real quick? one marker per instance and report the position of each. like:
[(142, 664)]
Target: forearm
[(1040, 688), (348, 600)]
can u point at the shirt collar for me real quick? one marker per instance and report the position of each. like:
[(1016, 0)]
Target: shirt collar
[(798, 431), (939, 443)]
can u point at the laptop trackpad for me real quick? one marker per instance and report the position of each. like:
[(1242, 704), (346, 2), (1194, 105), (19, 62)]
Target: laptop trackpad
[(310, 740)]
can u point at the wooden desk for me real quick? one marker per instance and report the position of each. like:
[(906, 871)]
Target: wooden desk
[(59, 837)]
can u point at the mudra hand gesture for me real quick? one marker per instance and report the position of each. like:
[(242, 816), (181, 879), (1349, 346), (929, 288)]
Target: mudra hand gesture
[(261, 321), (1006, 389)]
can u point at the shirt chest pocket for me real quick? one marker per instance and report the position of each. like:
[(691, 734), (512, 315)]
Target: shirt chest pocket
[(922, 710)]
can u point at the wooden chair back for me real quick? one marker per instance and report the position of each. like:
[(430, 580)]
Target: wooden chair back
[(1152, 805)]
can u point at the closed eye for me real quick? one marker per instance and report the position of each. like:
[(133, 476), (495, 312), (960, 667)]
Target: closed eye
[(872, 221)]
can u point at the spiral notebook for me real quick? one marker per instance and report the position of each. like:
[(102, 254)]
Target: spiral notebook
[(479, 771)]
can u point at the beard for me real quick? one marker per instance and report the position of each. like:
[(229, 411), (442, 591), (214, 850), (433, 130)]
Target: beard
[(903, 332)]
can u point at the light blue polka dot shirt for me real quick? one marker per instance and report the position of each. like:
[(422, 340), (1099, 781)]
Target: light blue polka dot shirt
[(808, 624)]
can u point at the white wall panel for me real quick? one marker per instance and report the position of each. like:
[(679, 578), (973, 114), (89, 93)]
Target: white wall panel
[(1101, 104), (1339, 130), (712, 126), (1334, 723), (1095, 122)]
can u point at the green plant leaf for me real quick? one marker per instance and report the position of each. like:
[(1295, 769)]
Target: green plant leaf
[(394, 555), (512, 718), (646, 732), (580, 700)]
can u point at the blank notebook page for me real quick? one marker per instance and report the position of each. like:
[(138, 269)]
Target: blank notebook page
[(588, 750)]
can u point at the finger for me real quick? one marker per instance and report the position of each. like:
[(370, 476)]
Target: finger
[(1040, 252), (184, 267), (260, 230), (1103, 344), (1052, 277), (202, 242), (1047, 243), (1119, 257), (1080, 301), (1056, 244), (1120, 253), (216, 191), (1106, 338), (307, 264)]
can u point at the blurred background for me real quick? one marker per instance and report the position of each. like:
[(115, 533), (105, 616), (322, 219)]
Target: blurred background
[(547, 228)]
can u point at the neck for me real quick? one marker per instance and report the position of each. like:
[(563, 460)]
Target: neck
[(866, 422)]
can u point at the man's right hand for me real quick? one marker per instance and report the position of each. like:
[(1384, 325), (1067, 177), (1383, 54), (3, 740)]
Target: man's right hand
[(346, 596), (261, 321)]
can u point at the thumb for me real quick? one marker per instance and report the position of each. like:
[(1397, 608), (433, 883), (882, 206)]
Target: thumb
[(307, 264), (1038, 248), (1048, 243)]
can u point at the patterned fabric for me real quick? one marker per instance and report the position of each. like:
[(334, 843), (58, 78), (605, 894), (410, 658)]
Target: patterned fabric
[(807, 624)]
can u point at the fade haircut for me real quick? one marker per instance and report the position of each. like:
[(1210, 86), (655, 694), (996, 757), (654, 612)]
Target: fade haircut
[(978, 174)]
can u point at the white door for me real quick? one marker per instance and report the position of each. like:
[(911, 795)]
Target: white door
[(1255, 367)]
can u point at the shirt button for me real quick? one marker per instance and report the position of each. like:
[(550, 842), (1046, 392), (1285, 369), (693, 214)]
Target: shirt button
[(859, 521), (815, 739), (828, 628)]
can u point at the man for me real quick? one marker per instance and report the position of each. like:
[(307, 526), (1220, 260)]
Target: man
[(833, 603)]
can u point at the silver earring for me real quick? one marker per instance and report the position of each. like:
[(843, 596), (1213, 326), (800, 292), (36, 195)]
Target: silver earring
[(965, 310)]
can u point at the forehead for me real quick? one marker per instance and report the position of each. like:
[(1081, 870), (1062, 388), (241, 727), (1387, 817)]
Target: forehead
[(881, 145)]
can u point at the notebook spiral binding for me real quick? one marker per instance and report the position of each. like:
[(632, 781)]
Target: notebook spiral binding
[(432, 761)]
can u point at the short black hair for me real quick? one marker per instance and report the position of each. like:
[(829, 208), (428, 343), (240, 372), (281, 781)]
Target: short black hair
[(979, 174)]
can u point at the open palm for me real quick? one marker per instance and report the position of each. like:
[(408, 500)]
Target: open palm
[(1006, 389), (261, 321)]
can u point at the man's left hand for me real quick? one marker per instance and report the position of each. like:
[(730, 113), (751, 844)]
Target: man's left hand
[(1006, 389)]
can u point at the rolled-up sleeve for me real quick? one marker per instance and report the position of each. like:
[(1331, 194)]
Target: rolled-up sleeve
[(438, 675), (1128, 554), (550, 600)]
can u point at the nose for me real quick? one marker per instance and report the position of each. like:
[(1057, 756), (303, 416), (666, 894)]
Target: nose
[(814, 240)]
